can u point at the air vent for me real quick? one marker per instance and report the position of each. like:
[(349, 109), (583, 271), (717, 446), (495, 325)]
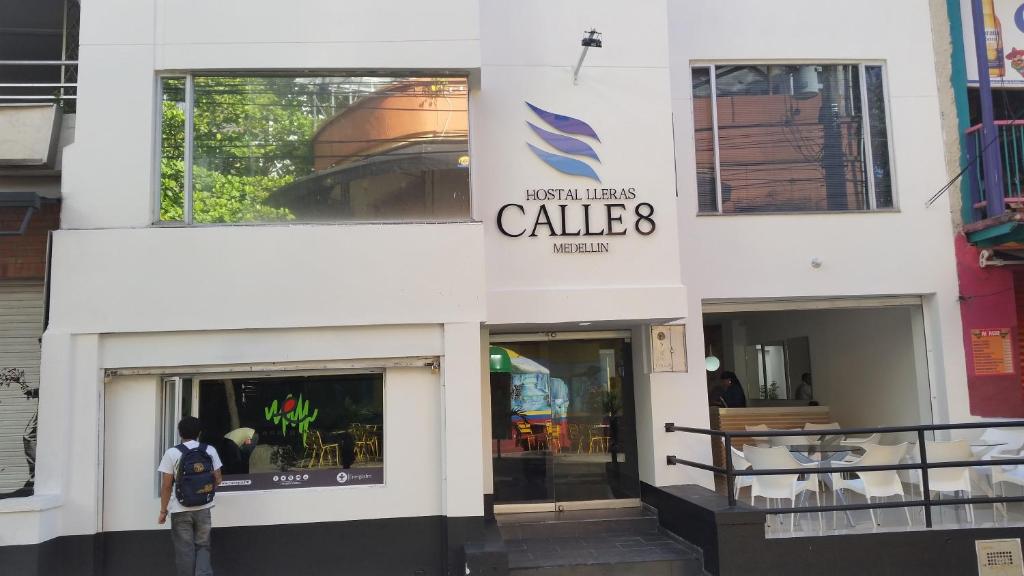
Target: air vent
[(999, 557)]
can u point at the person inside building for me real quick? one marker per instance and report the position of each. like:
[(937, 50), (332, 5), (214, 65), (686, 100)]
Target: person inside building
[(716, 390), (805, 391), (733, 396)]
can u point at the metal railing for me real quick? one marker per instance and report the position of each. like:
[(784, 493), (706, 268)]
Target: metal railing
[(1011, 156), (63, 88), (923, 465)]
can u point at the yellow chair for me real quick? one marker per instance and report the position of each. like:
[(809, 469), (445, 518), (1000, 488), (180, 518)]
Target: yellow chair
[(362, 444), (327, 450), (525, 432), (373, 437), (576, 437), (311, 452), (599, 438), (553, 433)]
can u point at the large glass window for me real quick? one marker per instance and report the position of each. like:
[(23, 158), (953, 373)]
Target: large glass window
[(246, 149), (791, 138), (294, 431)]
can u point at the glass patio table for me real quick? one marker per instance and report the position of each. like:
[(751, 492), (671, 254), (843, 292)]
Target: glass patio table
[(830, 453)]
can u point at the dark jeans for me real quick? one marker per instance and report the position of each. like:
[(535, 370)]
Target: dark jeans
[(190, 532)]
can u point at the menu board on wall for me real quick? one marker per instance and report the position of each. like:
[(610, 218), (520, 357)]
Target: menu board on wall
[(1004, 41), (993, 352)]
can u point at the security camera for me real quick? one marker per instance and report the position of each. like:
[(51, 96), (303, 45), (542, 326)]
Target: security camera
[(592, 39)]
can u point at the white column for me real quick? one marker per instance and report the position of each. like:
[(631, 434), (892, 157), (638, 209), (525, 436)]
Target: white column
[(678, 397), (485, 412), (461, 492)]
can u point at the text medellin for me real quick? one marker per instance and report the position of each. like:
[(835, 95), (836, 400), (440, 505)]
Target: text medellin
[(581, 248)]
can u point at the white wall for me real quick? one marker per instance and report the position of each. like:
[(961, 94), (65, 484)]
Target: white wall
[(461, 460), (665, 397), (910, 251), (864, 362), (125, 43), (529, 49), (169, 297), (76, 455), (238, 282), (412, 449), (486, 444), (227, 277)]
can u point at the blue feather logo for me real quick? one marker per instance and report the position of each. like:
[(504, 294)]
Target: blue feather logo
[(564, 143)]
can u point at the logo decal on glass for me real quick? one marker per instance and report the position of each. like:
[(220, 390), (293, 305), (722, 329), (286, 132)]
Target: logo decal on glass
[(293, 412), (565, 144)]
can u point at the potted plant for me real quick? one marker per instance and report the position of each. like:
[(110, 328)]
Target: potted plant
[(610, 406)]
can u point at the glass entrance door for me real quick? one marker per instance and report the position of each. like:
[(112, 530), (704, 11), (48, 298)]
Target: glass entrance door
[(563, 421)]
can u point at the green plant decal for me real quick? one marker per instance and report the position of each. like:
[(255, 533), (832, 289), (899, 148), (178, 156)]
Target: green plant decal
[(291, 413)]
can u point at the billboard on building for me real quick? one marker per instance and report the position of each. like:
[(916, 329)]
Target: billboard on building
[(1004, 41)]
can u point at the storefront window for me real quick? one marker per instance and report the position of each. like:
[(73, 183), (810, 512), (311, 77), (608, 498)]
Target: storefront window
[(275, 148), (295, 432)]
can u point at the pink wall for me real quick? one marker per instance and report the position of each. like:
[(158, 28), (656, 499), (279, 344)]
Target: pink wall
[(987, 300)]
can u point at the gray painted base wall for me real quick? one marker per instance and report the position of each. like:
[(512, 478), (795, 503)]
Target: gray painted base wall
[(423, 546), (734, 544)]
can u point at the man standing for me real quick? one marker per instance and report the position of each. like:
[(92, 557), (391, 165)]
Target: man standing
[(806, 389), (733, 396), (195, 470)]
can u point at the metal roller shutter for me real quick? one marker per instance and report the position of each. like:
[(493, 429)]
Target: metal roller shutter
[(21, 326)]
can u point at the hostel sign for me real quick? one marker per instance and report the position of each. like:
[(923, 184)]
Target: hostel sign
[(580, 220)]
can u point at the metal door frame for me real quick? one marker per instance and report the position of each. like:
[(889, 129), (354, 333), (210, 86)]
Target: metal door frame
[(555, 505)]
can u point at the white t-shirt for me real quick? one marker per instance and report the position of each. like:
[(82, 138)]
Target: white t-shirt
[(168, 465)]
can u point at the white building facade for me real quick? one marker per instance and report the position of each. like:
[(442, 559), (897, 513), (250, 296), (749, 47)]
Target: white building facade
[(569, 213)]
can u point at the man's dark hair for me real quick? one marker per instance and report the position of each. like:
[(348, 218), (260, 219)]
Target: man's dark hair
[(189, 428), (730, 377)]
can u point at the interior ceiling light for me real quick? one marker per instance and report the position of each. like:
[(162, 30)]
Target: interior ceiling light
[(712, 363)]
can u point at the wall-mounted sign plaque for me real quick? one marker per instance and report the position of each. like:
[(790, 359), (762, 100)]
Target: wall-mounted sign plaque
[(993, 352)]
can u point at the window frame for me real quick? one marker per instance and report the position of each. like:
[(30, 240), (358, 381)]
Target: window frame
[(861, 65), (172, 388), (189, 76)]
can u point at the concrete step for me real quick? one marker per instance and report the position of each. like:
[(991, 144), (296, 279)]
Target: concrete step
[(636, 554), (577, 524)]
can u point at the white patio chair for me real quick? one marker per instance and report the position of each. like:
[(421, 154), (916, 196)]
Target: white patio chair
[(911, 477), (862, 440), (782, 487), (880, 484), (1012, 440), (739, 462), (816, 426), (761, 441), (1003, 475), (950, 479), (792, 440)]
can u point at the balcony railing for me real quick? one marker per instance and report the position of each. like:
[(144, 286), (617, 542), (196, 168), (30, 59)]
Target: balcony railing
[(39, 81), (1011, 157), (826, 467)]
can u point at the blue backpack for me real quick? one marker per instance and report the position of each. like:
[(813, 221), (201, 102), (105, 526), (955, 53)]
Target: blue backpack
[(193, 480)]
